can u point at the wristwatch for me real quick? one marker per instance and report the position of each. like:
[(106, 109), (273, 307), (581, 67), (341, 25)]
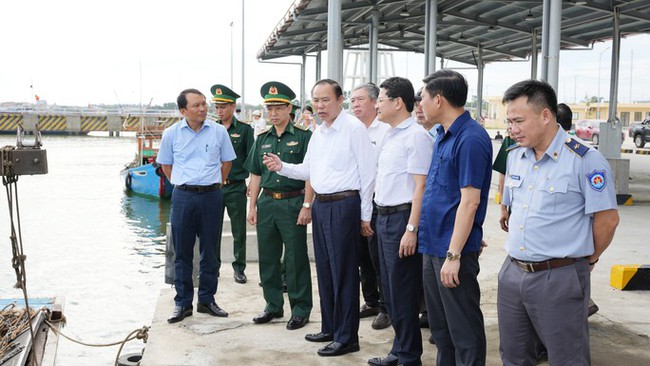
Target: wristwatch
[(411, 228), (306, 205), (452, 257)]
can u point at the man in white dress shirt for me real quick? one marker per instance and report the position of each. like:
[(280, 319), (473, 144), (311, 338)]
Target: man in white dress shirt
[(341, 165), (402, 169)]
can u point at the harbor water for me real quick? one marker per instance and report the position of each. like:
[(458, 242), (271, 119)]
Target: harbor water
[(90, 242)]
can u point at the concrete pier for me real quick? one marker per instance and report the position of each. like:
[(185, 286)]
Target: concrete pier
[(619, 331)]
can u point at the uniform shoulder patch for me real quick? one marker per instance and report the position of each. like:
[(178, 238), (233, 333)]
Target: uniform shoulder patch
[(597, 180), (264, 131), (512, 147), (577, 147), (300, 127)]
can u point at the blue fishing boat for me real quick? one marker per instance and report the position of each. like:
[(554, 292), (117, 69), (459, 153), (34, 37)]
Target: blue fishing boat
[(143, 175)]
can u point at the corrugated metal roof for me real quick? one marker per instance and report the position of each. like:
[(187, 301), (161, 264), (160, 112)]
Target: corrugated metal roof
[(503, 28)]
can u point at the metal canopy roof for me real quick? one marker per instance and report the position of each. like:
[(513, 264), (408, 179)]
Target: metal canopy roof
[(503, 28)]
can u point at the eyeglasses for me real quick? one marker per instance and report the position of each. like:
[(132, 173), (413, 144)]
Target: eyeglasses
[(382, 99)]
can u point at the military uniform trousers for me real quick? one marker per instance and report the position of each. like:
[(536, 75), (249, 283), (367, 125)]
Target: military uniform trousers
[(336, 229), (196, 214), (276, 224), (401, 280), (234, 201)]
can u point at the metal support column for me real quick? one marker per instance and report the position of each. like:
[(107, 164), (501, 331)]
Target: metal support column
[(430, 38), (243, 58), (610, 133), (303, 96), (334, 41), (545, 30), (373, 59), (555, 28), (479, 89), (533, 55), (319, 60)]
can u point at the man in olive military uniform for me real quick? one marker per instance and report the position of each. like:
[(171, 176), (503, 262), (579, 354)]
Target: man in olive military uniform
[(234, 188), (281, 212)]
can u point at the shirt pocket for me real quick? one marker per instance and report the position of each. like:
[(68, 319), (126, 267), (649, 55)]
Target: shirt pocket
[(514, 188), (291, 154), (441, 173), (549, 194)]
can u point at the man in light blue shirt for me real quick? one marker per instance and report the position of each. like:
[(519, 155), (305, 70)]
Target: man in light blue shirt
[(561, 193), (196, 156)]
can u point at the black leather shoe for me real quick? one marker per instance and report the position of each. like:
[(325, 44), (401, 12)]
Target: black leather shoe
[(240, 277), (266, 316), (390, 360), (180, 313), (382, 321), (338, 349), (297, 322), (212, 309), (366, 311), (319, 337)]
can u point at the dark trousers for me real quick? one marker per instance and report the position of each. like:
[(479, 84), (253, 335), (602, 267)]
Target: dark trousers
[(196, 214), (401, 284), (234, 200), (336, 226), (552, 303), (369, 271), (455, 317), (276, 226)]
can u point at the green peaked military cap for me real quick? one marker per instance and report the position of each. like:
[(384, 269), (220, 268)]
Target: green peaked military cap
[(294, 108), (223, 94), (274, 92)]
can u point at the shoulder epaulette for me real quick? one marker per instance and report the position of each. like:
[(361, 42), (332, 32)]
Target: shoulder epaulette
[(512, 147), (264, 131), (301, 127), (577, 147)]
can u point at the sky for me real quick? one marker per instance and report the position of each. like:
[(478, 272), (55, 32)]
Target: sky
[(76, 52)]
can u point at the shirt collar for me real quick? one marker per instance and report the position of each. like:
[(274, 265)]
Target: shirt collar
[(289, 129), (233, 123), (338, 122), (554, 148), (456, 126), (375, 123), (405, 124), (185, 125)]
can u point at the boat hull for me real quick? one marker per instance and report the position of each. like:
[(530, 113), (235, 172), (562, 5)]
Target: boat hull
[(147, 180)]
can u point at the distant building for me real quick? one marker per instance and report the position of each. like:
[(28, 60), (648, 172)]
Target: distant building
[(626, 112)]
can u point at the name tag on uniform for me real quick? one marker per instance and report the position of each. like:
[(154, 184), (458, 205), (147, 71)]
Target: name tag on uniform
[(266, 146), (292, 143), (515, 177)]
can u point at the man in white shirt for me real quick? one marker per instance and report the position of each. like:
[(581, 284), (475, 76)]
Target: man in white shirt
[(341, 165), (363, 102), (402, 169)]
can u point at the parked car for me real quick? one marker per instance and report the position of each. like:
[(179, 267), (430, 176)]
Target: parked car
[(640, 132), (589, 130)]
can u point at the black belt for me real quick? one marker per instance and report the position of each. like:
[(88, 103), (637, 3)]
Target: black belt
[(229, 182), (283, 195), (387, 210), (543, 265), (199, 189), (330, 197)]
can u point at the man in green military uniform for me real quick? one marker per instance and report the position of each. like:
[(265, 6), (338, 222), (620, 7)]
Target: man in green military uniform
[(281, 212), (234, 188)]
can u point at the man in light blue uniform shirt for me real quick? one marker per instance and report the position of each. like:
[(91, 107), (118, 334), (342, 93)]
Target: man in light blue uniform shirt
[(196, 156), (561, 193)]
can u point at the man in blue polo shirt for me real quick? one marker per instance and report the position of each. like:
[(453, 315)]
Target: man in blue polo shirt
[(196, 156), (453, 211)]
